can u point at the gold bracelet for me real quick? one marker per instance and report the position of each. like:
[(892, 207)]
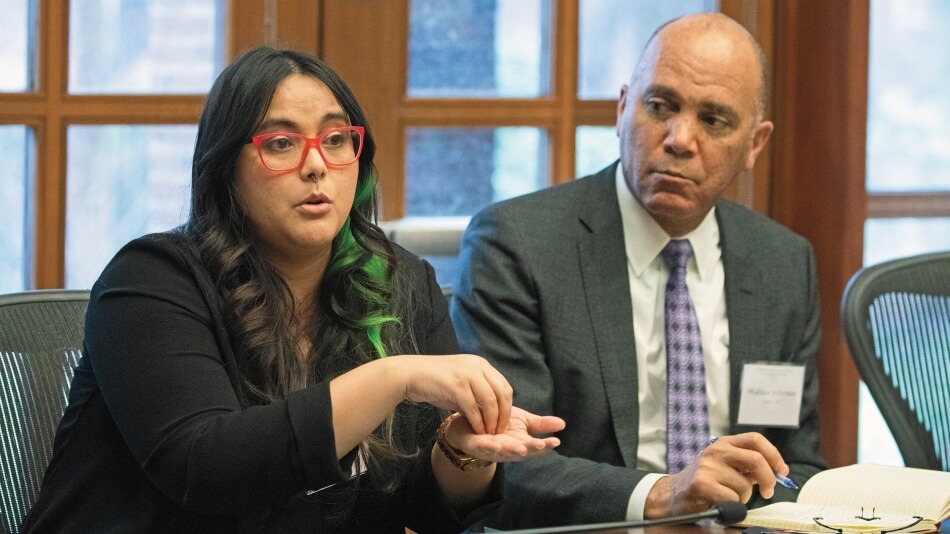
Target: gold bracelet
[(458, 457)]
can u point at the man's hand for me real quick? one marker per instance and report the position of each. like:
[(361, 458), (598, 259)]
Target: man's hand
[(724, 471)]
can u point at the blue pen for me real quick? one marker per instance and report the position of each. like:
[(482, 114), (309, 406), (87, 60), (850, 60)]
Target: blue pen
[(785, 481), (779, 477)]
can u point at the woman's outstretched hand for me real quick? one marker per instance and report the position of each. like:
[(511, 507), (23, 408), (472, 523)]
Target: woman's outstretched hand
[(512, 444)]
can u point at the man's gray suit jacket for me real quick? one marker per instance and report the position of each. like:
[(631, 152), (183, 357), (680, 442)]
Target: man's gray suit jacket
[(543, 293)]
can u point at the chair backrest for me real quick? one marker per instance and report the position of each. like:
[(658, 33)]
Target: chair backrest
[(41, 335), (896, 318)]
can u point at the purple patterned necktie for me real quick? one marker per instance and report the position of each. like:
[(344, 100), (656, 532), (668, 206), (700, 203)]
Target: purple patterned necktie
[(687, 424)]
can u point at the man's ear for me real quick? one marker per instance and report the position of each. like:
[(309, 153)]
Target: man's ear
[(622, 105), (759, 139)]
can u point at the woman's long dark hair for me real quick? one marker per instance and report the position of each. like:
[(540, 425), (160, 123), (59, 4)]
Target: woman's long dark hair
[(359, 313)]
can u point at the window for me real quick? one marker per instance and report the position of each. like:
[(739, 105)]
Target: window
[(908, 156), (455, 171), (144, 47), (16, 160), (479, 48), (17, 28), (122, 181)]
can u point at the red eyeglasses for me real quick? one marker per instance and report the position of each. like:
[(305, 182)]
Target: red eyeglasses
[(284, 151)]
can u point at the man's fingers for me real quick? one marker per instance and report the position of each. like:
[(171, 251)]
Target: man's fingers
[(751, 456), (757, 442)]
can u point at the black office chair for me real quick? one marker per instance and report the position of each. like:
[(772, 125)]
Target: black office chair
[(896, 318), (41, 335)]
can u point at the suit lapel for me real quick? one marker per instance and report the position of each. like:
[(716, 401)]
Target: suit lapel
[(603, 267), (742, 279)]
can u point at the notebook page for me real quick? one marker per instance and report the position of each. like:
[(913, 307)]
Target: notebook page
[(897, 490), (801, 517)]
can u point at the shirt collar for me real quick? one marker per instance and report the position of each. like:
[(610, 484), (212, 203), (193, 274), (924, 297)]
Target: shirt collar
[(644, 239)]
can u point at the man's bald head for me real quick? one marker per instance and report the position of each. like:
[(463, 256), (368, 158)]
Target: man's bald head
[(690, 26)]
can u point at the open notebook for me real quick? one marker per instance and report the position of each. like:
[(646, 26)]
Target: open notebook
[(862, 497)]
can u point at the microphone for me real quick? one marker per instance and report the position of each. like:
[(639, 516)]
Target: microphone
[(724, 512)]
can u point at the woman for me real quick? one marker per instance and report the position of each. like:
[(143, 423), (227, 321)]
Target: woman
[(239, 373)]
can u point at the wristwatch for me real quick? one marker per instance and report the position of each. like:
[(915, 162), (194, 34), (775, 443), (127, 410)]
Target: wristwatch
[(458, 457)]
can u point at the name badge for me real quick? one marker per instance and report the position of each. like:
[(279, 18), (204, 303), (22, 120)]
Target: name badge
[(771, 394)]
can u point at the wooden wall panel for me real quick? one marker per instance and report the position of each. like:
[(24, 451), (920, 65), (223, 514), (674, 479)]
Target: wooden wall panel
[(288, 23), (245, 26), (754, 189), (365, 42), (819, 173)]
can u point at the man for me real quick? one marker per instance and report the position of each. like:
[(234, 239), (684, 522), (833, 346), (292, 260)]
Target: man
[(565, 290)]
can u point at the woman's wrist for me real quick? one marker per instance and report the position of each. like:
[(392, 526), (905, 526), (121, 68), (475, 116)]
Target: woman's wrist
[(458, 457), (392, 374)]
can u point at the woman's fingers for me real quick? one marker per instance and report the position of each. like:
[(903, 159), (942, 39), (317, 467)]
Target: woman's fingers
[(463, 383), (545, 424), (507, 448), (503, 394), (478, 400)]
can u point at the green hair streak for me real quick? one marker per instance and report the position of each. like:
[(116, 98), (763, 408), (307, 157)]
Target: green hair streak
[(370, 287)]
